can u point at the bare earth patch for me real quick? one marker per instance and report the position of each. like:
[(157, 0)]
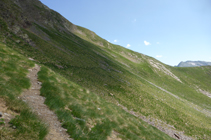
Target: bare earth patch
[(131, 57), (113, 136), (7, 114), (204, 92), (160, 67), (36, 102)]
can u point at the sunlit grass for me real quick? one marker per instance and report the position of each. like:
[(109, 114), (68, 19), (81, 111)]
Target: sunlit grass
[(86, 115), (13, 71)]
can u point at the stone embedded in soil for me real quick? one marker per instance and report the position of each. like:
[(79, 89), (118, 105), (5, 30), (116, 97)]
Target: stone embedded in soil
[(176, 135), (39, 83)]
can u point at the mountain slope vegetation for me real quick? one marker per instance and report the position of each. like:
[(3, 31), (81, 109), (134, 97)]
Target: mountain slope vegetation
[(19, 121), (99, 89)]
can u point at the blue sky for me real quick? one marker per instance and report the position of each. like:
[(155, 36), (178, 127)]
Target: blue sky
[(168, 30)]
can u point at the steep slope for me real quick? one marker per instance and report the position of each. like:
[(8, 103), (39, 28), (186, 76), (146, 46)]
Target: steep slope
[(193, 63), (84, 114), (17, 121), (172, 99)]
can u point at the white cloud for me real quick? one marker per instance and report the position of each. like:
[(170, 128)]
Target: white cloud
[(115, 40), (159, 56), (146, 43), (158, 42), (128, 45)]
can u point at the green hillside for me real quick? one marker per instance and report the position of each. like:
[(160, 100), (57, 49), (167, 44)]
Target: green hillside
[(13, 70), (97, 89)]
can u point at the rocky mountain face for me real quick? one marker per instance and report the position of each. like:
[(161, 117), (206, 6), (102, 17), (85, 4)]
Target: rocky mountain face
[(26, 14), (98, 90), (194, 64)]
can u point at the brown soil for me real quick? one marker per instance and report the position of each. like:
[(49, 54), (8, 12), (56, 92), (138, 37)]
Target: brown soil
[(7, 115), (36, 102)]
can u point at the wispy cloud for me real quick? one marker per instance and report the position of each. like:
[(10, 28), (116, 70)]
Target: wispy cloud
[(128, 45), (146, 43), (115, 40), (159, 56), (158, 42), (134, 20)]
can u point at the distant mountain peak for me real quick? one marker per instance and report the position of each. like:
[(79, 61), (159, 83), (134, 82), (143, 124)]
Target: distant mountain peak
[(193, 63)]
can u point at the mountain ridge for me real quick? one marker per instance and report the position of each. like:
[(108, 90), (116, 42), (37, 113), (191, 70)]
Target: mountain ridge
[(193, 63)]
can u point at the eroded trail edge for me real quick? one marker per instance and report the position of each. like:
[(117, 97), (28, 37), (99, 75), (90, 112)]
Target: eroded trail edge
[(162, 126), (36, 102)]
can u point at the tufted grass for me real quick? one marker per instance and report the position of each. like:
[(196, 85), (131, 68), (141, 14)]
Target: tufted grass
[(13, 80)]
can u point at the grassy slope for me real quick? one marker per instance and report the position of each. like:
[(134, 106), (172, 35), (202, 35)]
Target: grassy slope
[(88, 116), (111, 68), (83, 113), (139, 64), (13, 70), (186, 91)]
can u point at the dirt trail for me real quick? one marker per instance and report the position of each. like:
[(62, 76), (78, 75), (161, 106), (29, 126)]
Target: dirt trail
[(36, 102), (166, 128)]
